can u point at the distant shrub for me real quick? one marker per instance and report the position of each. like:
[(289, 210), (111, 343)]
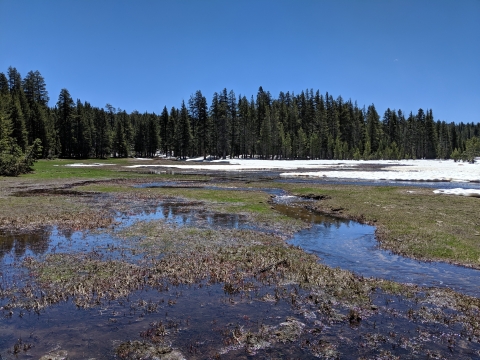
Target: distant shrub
[(472, 150), (13, 161)]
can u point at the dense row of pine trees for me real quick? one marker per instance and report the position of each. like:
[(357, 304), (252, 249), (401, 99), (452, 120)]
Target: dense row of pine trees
[(308, 125)]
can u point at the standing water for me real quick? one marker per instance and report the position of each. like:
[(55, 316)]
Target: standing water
[(352, 246)]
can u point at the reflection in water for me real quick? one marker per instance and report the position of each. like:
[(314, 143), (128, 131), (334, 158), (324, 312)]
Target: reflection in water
[(338, 243), (184, 214), (352, 246), (35, 241), (271, 191)]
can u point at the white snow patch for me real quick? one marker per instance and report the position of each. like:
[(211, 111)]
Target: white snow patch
[(403, 170), (459, 191), (256, 164), (407, 170), (86, 165), (208, 158)]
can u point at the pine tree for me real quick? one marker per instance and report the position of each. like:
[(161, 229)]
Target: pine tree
[(65, 110), (321, 126), (163, 129), (183, 132), (141, 134), (233, 124), (222, 122), (153, 139), (199, 117), (102, 143), (4, 89), (14, 80), (40, 129), (294, 125), (14, 161), (252, 128), (430, 137), (420, 135), (472, 149), (35, 88), (302, 149), (373, 132), (265, 139), (19, 130), (332, 117), (124, 119), (171, 125)]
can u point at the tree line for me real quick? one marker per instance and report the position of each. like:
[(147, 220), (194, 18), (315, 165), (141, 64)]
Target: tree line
[(309, 125)]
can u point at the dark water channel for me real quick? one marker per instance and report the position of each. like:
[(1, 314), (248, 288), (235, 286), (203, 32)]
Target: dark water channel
[(352, 246)]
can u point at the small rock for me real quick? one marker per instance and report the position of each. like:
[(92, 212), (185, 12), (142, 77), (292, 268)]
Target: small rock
[(55, 355)]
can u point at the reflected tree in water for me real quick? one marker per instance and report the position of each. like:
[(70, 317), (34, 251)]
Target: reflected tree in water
[(37, 242)]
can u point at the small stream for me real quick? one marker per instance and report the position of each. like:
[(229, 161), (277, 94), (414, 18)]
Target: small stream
[(352, 246), (337, 242)]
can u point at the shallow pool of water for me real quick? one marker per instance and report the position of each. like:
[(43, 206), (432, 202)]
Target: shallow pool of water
[(352, 246)]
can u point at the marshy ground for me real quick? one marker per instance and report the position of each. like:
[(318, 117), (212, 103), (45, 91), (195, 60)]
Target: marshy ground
[(110, 263)]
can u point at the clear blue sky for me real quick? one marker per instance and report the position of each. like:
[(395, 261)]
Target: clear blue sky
[(144, 54)]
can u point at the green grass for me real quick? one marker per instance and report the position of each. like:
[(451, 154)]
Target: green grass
[(113, 169), (56, 169)]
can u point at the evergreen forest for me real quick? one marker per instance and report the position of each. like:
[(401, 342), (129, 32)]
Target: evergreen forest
[(309, 125)]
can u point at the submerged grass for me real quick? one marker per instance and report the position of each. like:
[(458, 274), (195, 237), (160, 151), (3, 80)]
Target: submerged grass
[(254, 204), (410, 221), (26, 213)]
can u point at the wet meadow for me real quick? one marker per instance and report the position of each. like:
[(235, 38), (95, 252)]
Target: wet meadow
[(109, 263)]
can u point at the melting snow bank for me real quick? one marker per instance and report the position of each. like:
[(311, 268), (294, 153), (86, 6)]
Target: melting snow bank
[(459, 191), (85, 165), (403, 170)]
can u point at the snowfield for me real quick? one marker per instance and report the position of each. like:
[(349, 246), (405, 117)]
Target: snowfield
[(459, 191), (406, 170), (86, 165), (403, 170)]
